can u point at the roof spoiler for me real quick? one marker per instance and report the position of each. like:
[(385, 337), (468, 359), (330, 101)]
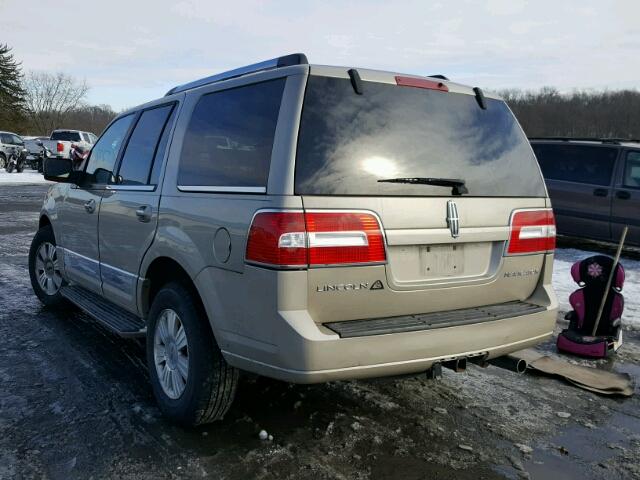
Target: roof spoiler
[(284, 61)]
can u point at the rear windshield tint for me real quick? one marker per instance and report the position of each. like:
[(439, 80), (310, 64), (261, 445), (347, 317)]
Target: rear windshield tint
[(66, 136), (347, 142), (576, 163)]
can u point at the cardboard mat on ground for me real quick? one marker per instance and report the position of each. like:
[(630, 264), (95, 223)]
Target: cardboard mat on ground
[(588, 378)]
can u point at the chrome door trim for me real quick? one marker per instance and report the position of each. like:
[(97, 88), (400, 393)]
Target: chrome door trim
[(119, 279), (221, 189), (139, 188), (80, 263)]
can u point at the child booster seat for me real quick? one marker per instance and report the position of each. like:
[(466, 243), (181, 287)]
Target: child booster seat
[(592, 275)]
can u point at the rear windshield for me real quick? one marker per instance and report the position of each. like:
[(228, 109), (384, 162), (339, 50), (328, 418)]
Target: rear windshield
[(66, 136), (347, 142)]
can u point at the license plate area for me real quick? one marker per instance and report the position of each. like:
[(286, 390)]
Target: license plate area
[(445, 260)]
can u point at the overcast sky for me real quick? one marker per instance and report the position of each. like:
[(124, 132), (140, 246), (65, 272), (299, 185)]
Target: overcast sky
[(131, 51)]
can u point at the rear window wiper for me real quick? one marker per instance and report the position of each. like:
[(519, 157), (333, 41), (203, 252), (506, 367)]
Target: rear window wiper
[(457, 184)]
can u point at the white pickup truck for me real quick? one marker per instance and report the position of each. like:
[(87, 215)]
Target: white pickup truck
[(60, 141)]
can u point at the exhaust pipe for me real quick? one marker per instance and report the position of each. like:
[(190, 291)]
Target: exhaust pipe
[(458, 365), (479, 360), (508, 362)]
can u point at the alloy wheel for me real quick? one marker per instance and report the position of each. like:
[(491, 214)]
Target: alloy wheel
[(48, 268), (171, 354)]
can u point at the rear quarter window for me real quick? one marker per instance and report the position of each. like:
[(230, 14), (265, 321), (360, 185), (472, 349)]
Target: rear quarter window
[(632, 170), (576, 163), (230, 136)]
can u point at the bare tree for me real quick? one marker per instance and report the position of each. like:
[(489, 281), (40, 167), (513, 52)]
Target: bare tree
[(547, 112), (50, 97)]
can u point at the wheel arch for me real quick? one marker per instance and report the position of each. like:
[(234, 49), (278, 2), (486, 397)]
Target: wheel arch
[(44, 221), (161, 271)]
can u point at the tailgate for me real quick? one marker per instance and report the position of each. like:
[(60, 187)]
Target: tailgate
[(427, 269), (443, 168)]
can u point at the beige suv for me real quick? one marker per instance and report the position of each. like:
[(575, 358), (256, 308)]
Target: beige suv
[(306, 223)]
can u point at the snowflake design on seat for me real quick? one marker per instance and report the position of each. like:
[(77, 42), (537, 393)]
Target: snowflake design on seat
[(594, 270)]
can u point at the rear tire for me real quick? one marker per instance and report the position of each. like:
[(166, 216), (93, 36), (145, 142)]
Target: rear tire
[(192, 382), (44, 269)]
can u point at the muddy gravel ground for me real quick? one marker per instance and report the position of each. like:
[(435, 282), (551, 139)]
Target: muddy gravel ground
[(75, 403)]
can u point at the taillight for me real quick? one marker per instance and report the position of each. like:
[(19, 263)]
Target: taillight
[(278, 238), (344, 238), (315, 238), (59, 147), (532, 231)]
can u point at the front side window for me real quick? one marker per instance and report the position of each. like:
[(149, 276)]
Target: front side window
[(577, 163), (632, 170), (230, 136), (105, 153), (4, 138), (16, 140), (140, 151)]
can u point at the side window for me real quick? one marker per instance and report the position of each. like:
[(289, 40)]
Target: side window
[(85, 137), (632, 170), (162, 148), (105, 153), (230, 135), (576, 163), (17, 140), (141, 149), (4, 138)]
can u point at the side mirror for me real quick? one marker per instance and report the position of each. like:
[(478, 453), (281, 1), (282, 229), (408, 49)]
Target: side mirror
[(61, 170)]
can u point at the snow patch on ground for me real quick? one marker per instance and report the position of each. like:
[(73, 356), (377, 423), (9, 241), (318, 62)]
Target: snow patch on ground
[(564, 284), (26, 176)]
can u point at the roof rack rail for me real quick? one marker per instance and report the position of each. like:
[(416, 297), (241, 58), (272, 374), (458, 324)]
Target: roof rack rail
[(438, 75), (612, 140), (284, 61)]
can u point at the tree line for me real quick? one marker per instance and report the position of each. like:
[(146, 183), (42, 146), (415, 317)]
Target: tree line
[(37, 102), (547, 112)]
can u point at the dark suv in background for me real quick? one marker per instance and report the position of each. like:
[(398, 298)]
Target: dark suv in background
[(594, 185)]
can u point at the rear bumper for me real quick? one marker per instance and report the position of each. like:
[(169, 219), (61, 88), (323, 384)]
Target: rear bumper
[(307, 353)]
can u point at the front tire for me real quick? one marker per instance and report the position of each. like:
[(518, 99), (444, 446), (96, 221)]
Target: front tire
[(45, 269), (192, 382)]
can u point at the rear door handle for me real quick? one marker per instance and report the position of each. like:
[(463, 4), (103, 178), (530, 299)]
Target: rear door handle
[(623, 195), (90, 206), (600, 192), (144, 213)]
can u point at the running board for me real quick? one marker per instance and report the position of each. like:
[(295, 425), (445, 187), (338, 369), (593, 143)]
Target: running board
[(113, 317), (427, 321)]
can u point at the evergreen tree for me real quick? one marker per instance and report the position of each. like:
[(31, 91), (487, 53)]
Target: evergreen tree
[(12, 94)]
